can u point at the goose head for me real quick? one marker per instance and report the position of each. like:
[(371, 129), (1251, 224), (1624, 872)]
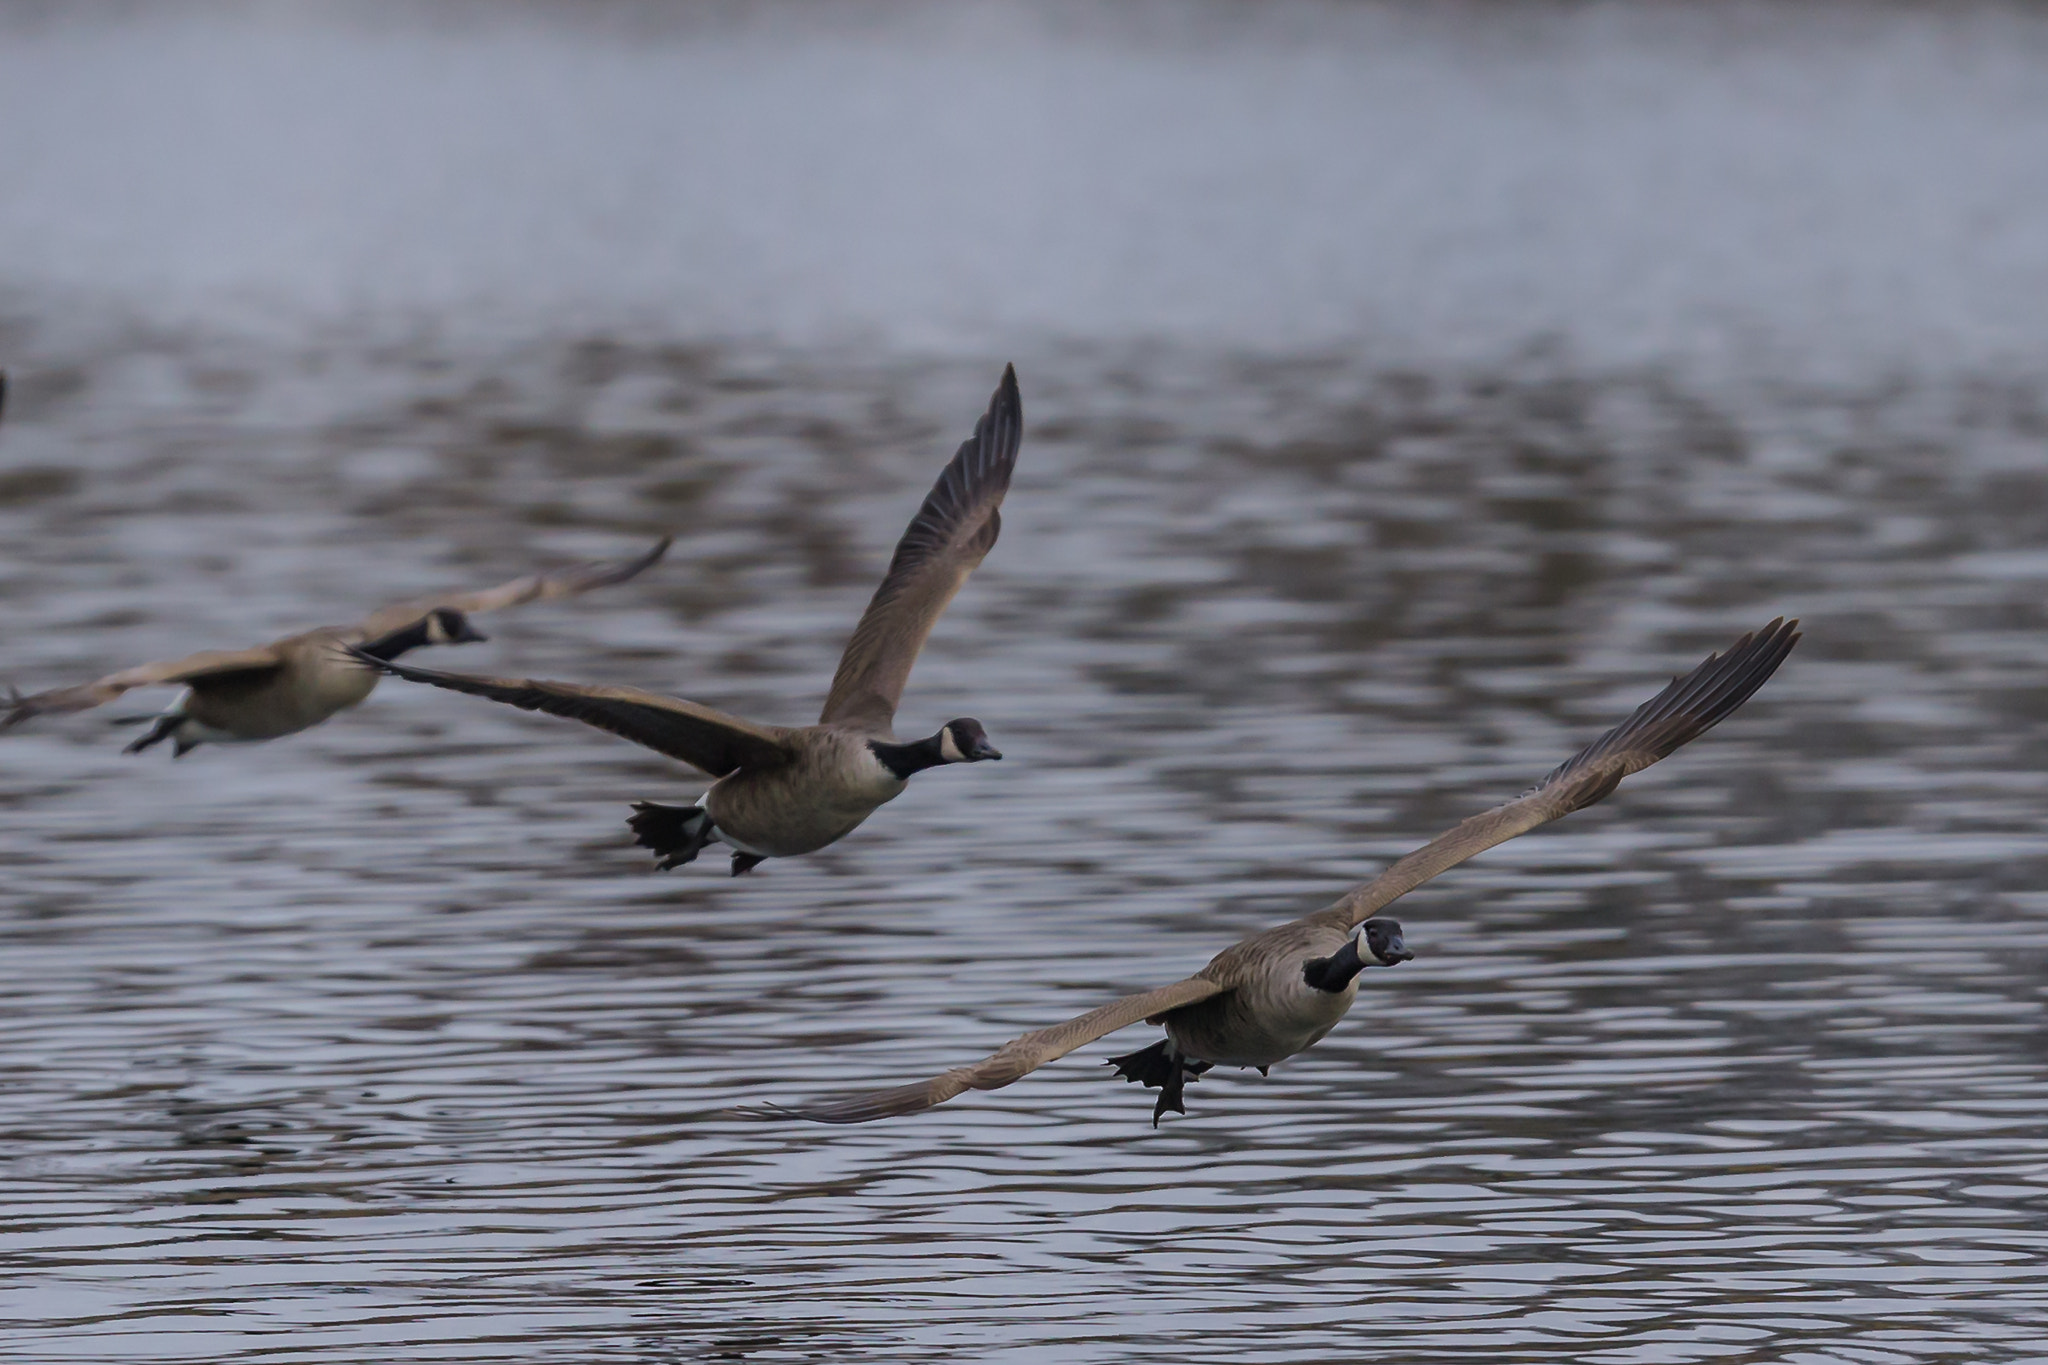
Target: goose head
[(964, 741), (1381, 941), (1375, 943), (447, 626)]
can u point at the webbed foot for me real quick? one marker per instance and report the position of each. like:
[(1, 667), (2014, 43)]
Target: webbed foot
[(1161, 1066)]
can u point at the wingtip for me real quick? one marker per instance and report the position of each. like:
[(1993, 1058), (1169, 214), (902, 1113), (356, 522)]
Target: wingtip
[(620, 572), (1777, 638), (760, 1113)]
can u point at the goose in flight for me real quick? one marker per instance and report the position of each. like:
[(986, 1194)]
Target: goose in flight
[(787, 790), (1277, 993), (288, 685)]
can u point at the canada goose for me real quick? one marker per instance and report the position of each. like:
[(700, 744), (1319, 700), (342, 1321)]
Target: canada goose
[(244, 695), (786, 790), (1277, 993)]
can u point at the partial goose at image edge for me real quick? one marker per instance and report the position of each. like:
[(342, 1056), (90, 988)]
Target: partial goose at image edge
[(1278, 992), (291, 684)]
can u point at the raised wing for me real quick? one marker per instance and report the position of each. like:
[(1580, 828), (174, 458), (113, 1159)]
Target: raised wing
[(950, 534), (1012, 1061), (212, 663), (572, 582), (698, 735), (1681, 713)]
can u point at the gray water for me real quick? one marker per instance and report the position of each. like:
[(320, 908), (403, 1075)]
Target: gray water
[(382, 1042)]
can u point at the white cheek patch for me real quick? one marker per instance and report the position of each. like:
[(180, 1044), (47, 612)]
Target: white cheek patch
[(948, 750)]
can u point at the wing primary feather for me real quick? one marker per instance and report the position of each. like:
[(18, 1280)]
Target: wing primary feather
[(539, 587), (1691, 704), (705, 738), (1687, 708), (954, 528)]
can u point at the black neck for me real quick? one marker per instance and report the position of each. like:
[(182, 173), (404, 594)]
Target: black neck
[(1334, 973), (398, 641), (905, 759)]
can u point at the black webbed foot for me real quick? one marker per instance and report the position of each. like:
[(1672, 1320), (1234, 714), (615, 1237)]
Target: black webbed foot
[(1159, 1065), (743, 863)]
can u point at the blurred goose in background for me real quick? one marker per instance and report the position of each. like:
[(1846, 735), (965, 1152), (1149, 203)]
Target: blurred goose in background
[(1277, 993), (783, 791), (288, 685)]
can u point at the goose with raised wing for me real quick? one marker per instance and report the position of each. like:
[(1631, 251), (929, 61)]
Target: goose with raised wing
[(781, 790), (288, 685), (1279, 992)]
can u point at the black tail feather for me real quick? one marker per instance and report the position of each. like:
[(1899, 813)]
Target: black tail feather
[(677, 834)]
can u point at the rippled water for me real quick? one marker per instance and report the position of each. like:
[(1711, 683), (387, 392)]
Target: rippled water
[(383, 1043)]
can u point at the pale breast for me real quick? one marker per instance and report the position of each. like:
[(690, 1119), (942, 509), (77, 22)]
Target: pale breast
[(835, 783), (1271, 1012), (315, 681)]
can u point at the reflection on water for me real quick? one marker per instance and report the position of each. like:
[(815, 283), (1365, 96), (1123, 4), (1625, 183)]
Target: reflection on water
[(383, 1042)]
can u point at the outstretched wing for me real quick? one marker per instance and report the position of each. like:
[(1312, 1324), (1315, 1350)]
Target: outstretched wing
[(1681, 713), (212, 663), (950, 534), (698, 735), (572, 582), (1012, 1061)]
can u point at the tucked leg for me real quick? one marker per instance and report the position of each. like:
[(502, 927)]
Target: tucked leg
[(165, 728)]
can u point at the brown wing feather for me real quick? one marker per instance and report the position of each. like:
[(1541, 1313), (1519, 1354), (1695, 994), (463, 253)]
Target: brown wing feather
[(212, 663), (1682, 712), (698, 735), (1012, 1061), (572, 582), (950, 534)]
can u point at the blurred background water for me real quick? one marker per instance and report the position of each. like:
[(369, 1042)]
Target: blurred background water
[(1409, 391)]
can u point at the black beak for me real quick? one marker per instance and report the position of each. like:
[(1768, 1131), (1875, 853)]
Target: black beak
[(985, 750), (470, 636), (1383, 938)]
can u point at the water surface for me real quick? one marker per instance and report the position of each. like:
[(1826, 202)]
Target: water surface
[(384, 1043)]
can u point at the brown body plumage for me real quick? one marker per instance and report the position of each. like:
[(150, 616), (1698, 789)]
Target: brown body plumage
[(830, 784)]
